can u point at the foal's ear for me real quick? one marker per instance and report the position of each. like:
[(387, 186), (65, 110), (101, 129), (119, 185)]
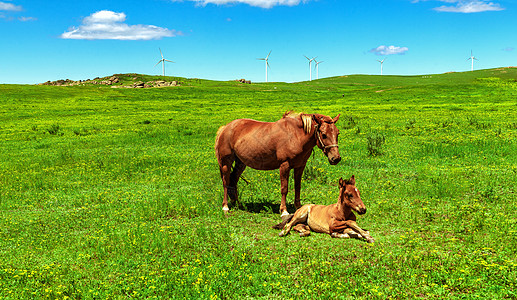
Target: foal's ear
[(341, 182), (352, 180), (336, 118)]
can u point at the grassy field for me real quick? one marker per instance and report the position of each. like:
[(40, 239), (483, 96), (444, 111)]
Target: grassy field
[(115, 193)]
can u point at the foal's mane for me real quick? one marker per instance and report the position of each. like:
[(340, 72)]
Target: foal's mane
[(306, 119)]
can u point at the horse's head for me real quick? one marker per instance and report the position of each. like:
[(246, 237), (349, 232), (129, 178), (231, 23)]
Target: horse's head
[(349, 195), (326, 136)]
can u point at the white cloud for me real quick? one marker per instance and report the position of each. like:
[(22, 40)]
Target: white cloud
[(108, 25), (26, 19), (258, 3), (389, 50), (9, 6), (468, 6)]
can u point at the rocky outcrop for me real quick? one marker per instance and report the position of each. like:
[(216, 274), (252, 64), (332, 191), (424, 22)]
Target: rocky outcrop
[(115, 82), (242, 80)]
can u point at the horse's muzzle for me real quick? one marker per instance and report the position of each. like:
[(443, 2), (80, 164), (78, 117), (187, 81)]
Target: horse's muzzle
[(334, 160), (361, 210)]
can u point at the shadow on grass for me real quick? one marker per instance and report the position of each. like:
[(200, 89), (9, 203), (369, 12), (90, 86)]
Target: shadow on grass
[(258, 207)]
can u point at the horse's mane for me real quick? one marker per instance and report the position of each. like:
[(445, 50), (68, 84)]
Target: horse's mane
[(306, 119)]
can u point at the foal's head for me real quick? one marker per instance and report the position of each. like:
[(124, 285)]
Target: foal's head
[(349, 195), (326, 137)]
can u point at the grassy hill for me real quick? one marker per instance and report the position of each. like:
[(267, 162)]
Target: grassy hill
[(115, 193)]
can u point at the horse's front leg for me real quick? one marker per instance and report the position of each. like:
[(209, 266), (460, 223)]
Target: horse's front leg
[(345, 234), (343, 227), (284, 187), (365, 234), (298, 172)]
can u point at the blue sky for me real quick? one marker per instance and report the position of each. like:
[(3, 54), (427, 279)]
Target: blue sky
[(222, 39)]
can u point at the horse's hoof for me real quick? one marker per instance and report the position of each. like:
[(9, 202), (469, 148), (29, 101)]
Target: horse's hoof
[(281, 234), (370, 241)]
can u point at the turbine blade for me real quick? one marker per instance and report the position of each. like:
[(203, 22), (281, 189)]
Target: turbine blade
[(307, 57), (161, 52), (168, 60), (268, 54), (158, 63)]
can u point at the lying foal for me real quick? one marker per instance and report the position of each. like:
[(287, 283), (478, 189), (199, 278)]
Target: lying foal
[(337, 219)]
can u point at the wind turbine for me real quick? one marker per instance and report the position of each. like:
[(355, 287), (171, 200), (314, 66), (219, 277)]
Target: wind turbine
[(381, 61), (310, 66), (317, 68), (267, 63), (163, 60), (472, 59)]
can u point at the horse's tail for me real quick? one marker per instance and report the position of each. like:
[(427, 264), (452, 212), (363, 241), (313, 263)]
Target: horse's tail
[(285, 221), (217, 136)]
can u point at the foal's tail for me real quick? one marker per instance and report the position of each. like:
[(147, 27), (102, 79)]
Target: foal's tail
[(285, 221)]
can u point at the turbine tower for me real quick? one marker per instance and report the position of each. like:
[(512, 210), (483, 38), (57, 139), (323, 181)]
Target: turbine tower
[(472, 59), (163, 60), (310, 66), (317, 68), (381, 61), (267, 63)]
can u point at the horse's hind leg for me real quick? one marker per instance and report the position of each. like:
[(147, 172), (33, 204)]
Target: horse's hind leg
[(303, 229), (300, 216), (225, 167), (234, 179)]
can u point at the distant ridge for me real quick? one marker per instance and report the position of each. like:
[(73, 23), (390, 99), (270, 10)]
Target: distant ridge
[(134, 79)]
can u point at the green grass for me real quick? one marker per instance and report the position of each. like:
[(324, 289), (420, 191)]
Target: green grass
[(115, 193)]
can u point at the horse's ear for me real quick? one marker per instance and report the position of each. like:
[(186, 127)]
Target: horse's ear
[(341, 182), (317, 118), (336, 118), (352, 180)]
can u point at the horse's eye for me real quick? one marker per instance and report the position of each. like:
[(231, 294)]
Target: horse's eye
[(324, 136)]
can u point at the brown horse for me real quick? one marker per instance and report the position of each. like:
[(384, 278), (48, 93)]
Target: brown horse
[(336, 219), (285, 144)]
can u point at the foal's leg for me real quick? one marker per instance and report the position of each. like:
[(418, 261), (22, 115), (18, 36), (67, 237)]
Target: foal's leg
[(234, 179), (365, 234), (345, 234), (342, 226), (300, 216), (303, 229), (284, 187), (298, 172)]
